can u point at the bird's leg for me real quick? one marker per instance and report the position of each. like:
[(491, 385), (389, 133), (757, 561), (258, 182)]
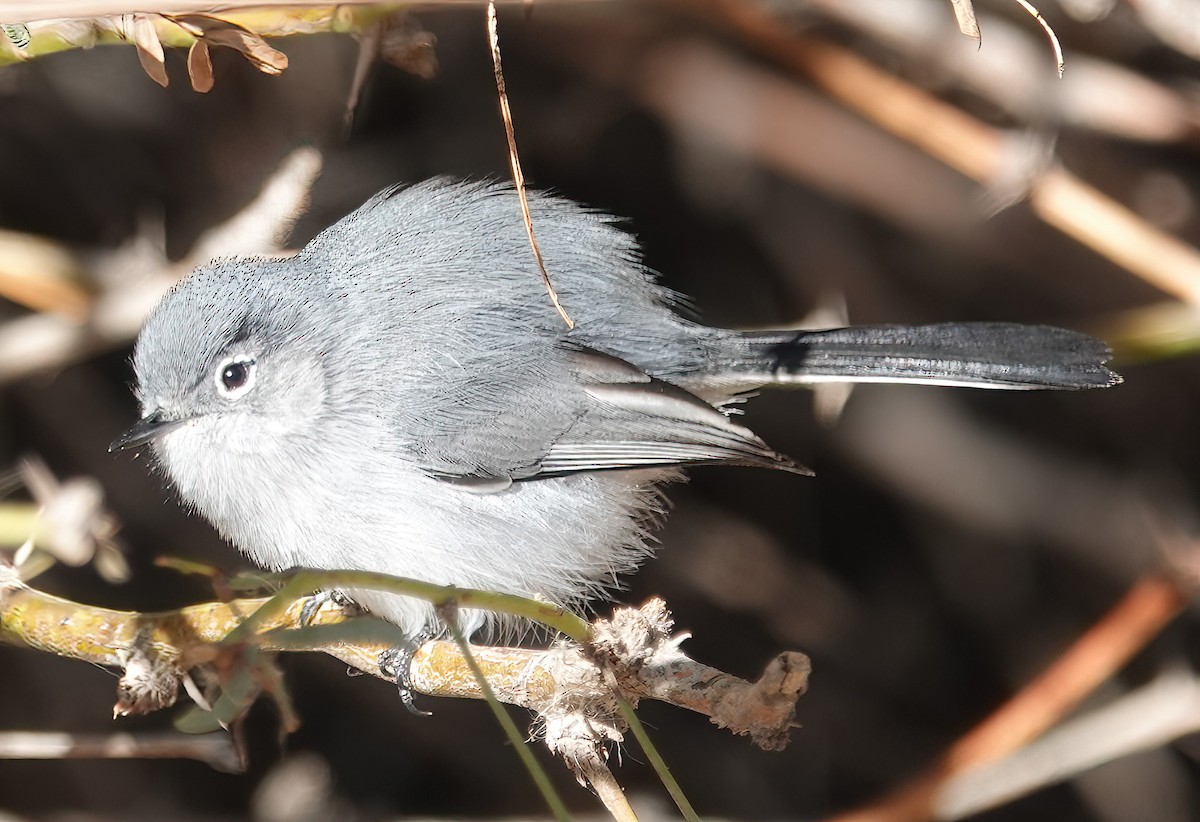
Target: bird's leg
[(398, 662)]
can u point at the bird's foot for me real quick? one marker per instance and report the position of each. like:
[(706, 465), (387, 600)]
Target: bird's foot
[(398, 661), (308, 611)]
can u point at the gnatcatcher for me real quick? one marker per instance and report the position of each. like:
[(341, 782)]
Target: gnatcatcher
[(402, 397)]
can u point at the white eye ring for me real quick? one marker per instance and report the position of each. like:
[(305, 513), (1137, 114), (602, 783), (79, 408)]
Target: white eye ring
[(235, 376)]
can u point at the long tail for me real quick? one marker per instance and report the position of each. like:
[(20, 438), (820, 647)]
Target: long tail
[(978, 355)]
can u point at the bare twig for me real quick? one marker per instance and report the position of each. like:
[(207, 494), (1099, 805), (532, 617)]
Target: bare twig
[(582, 694), (601, 778), (643, 656)]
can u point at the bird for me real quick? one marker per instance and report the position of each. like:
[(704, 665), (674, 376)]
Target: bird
[(402, 397)]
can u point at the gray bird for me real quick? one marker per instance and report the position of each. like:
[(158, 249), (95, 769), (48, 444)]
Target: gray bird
[(402, 397)]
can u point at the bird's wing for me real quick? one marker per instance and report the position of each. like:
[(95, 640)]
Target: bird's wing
[(631, 420), (620, 418)]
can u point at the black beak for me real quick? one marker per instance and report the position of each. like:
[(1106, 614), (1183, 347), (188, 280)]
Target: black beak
[(145, 430)]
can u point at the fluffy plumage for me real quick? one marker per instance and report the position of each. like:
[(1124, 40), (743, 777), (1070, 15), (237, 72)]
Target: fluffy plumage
[(402, 397)]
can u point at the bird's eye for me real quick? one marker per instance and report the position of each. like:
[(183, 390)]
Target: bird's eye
[(235, 376)]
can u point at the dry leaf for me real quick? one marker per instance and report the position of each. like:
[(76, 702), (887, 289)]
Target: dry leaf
[(218, 32), (140, 29), (964, 13), (409, 47), (200, 66)]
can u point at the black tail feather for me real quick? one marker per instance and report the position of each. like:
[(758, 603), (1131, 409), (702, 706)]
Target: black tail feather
[(981, 355)]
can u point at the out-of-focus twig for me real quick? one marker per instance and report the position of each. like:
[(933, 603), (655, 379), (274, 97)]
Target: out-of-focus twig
[(1097, 95), (928, 449), (71, 525), (1153, 332), (1175, 22), (215, 750), (38, 274), (976, 150), (1139, 616), (1148, 718), (45, 340)]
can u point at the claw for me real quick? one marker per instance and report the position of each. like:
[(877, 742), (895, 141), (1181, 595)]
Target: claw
[(397, 662), (308, 611)]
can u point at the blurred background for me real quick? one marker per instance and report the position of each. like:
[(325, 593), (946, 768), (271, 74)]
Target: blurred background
[(782, 163)]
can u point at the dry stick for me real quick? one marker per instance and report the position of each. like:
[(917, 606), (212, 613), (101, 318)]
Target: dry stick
[(978, 151), (514, 160), (1105, 648)]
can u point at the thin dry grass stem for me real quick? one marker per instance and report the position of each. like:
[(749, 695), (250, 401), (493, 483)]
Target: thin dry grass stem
[(1037, 15), (1136, 619), (976, 150), (448, 614), (514, 160)]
